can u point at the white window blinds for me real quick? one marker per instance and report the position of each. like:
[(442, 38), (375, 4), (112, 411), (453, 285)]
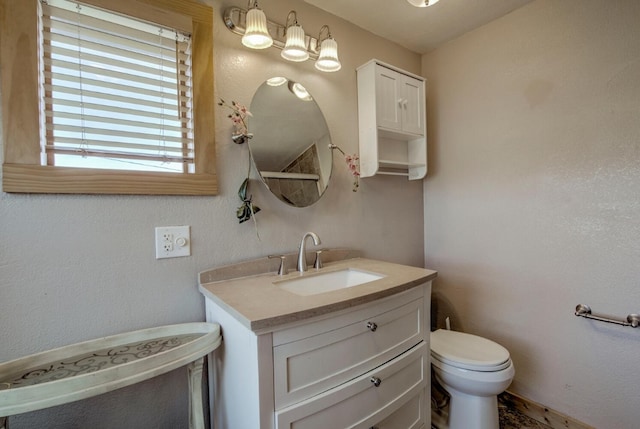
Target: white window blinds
[(116, 91)]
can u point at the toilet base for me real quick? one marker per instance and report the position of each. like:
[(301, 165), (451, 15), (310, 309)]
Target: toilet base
[(473, 394), (468, 411)]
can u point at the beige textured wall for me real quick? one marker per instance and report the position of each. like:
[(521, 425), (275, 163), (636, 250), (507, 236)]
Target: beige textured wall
[(79, 267), (532, 202)]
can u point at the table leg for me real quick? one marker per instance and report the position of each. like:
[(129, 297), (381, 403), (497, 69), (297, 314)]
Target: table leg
[(4, 422), (196, 415)]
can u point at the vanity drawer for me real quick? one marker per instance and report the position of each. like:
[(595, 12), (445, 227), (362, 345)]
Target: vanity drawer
[(359, 403), (341, 352), (411, 415)]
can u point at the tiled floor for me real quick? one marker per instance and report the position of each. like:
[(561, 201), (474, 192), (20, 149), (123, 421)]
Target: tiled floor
[(511, 419)]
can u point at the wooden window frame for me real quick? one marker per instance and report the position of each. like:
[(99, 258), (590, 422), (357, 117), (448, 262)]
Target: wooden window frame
[(22, 171)]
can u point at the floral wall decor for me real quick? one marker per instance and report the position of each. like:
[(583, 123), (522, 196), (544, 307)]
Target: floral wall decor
[(241, 135), (353, 164)]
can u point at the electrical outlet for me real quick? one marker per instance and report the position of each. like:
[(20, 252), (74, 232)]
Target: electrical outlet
[(173, 241)]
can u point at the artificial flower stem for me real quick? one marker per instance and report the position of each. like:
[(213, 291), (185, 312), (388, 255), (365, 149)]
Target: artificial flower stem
[(253, 215)]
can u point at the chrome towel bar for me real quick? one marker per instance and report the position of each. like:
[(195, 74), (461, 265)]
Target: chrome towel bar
[(583, 310)]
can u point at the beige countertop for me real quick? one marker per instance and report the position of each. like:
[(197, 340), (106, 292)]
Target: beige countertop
[(259, 303)]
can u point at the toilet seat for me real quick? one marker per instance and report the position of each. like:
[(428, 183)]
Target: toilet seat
[(467, 351)]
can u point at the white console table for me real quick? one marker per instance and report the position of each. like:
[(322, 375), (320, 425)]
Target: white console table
[(94, 367)]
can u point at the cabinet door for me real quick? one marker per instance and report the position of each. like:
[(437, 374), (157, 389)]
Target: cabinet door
[(399, 102), (412, 96), (412, 415), (388, 98)]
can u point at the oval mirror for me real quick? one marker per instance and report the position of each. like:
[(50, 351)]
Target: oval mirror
[(290, 144)]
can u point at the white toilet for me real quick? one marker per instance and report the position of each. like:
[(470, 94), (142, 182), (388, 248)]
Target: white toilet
[(473, 371)]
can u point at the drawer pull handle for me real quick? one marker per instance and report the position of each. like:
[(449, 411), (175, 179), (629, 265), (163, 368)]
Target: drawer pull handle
[(372, 326), (376, 381)]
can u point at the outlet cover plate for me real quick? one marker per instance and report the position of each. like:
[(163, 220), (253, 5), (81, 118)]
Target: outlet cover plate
[(173, 241)]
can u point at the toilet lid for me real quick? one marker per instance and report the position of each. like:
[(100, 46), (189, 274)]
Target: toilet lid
[(468, 351)]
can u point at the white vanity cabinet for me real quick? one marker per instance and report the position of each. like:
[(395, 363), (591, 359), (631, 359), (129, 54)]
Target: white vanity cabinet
[(392, 121), (362, 367)]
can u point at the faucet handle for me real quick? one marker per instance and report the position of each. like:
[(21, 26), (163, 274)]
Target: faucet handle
[(282, 270), (317, 264)]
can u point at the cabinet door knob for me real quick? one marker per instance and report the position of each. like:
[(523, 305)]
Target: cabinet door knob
[(376, 381), (372, 326)]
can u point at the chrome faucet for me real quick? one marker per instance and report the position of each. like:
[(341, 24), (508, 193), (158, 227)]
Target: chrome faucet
[(302, 255)]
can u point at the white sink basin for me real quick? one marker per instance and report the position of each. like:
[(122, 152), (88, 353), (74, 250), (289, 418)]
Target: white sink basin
[(312, 284)]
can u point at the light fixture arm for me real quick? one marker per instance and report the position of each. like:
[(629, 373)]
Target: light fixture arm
[(286, 22), (328, 36)]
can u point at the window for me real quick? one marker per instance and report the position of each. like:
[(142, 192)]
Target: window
[(114, 105), (117, 92)]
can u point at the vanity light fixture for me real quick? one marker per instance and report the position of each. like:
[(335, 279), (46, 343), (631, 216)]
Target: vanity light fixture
[(328, 59), (423, 3), (295, 48), (256, 35), (291, 38)]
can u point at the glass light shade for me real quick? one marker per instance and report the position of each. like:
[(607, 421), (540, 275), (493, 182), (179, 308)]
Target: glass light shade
[(423, 3), (256, 36), (301, 92), (277, 81), (295, 48), (328, 59)]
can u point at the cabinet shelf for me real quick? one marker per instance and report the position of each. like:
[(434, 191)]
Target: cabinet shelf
[(398, 164), (385, 172), (396, 168), (392, 121), (396, 135)]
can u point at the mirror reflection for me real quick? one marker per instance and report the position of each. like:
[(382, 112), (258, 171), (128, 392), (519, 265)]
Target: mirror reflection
[(290, 144)]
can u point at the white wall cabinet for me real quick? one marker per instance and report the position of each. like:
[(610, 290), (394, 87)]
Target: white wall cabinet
[(364, 367), (392, 121), (399, 101)]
